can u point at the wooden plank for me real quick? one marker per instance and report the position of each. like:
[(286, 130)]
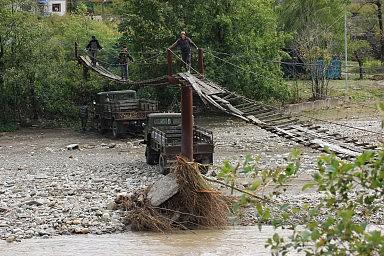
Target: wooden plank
[(335, 148), (255, 120), (101, 70)]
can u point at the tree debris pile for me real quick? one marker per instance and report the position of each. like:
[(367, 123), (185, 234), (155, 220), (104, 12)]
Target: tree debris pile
[(195, 205)]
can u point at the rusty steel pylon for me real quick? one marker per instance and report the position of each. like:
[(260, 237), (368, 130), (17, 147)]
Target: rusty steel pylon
[(186, 107)]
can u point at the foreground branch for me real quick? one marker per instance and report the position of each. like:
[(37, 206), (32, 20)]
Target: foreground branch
[(239, 190)]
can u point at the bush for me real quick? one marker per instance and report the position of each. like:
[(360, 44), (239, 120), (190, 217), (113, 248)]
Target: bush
[(373, 67), (336, 225)]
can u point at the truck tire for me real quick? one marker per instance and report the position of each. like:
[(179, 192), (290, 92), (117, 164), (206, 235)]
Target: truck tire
[(115, 129), (205, 162), (151, 156), (99, 127), (163, 167)]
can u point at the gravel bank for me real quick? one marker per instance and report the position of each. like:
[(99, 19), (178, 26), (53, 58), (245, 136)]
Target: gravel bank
[(47, 190)]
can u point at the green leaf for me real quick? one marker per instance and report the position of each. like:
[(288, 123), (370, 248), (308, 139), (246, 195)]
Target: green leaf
[(369, 199), (255, 185), (276, 238), (309, 185)]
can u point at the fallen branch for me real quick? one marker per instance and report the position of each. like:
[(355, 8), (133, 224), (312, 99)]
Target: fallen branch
[(238, 189)]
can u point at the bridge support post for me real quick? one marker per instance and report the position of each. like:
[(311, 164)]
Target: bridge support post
[(187, 122), (201, 62), (169, 61)]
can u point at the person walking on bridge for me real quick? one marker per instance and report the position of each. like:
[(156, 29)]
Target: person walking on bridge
[(124, 58), (185, 44), (93, 47)]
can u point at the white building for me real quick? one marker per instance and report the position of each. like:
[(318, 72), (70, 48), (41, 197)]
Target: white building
[(58, 7)]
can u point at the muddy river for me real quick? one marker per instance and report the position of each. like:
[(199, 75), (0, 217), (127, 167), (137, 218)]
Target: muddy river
[(233, 241)]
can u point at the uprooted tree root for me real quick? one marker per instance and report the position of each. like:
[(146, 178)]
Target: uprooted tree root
[(196, 205)]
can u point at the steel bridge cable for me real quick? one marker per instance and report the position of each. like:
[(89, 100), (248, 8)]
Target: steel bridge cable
[(269, 60), (313, 118), (319, 94)]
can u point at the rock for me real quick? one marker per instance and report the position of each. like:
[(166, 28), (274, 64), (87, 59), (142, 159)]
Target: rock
[(73, 146), (106, 216), (46, 232), (112, 145), (69, 193), (163, 189), (34, 202), (11, 239), (81, 230), (112, 206), (4, 225), (76, 222), (3, 207)]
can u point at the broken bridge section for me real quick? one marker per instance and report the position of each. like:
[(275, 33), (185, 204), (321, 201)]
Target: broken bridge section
[(251, 111), (272, 119)]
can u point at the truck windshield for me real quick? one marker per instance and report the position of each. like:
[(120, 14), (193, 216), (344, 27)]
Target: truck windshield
[(125, 96), (167, 121)]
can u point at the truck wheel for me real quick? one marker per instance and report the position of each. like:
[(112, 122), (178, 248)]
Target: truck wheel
[(150, 156), (164, 169), (115, 129), (99, 128)]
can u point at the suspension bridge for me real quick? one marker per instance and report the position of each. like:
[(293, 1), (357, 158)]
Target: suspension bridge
[(262, 115)]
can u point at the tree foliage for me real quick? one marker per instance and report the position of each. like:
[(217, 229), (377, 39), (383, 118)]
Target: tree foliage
[(243, 33), (39, 77), (316, 29)]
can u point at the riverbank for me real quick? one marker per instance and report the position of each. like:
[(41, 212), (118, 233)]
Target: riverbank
[(47, 190)]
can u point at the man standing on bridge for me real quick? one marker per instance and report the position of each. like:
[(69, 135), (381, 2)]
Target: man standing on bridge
[(124, 58), (93, 47), (185, 44)]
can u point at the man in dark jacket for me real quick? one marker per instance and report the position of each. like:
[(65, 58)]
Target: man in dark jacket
[(93, 47), (185, 44), (124, 58), (83, 114)]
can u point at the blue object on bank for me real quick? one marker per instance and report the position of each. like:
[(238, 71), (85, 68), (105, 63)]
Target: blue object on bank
[(334, 69)]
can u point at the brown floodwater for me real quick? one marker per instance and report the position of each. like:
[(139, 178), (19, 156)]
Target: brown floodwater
[(232, 241)]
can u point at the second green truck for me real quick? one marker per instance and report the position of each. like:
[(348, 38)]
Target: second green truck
[(162, 135)]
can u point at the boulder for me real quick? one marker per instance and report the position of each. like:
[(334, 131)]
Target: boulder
[(73, 146), (163, 189)]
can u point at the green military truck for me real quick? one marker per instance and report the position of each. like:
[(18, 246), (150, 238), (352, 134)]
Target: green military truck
[(162, 135), (121, 112)]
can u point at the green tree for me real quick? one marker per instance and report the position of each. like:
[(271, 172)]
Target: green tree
[(316, 29), (39, 76), (244, 30), (366, 25)]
